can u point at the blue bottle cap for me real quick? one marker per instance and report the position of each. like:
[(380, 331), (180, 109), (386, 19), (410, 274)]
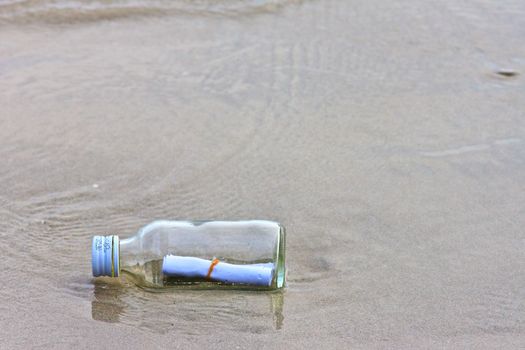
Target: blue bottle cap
[(105, 256)]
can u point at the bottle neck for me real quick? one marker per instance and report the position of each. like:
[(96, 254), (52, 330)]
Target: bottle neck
[(128, 244), (130, 251)]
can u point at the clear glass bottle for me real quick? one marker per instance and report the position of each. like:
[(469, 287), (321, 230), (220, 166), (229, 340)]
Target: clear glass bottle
[(196, 254)]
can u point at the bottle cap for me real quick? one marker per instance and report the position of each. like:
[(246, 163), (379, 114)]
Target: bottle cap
[(105, 256)]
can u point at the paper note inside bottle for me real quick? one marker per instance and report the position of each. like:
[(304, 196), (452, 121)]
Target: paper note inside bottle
[(185, 266)]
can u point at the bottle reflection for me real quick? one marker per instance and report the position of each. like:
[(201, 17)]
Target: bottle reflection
[(186, 309), (277, 305), (107, 305)]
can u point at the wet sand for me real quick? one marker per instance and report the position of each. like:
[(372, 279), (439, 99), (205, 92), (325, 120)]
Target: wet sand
[(380, 133)]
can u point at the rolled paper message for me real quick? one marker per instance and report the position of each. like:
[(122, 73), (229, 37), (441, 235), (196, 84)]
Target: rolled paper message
[(185, 266)]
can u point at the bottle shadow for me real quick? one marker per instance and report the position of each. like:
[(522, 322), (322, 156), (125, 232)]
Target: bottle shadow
[(188, 311)]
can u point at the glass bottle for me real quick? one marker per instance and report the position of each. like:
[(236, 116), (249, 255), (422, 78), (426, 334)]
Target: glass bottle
[(196, 254)]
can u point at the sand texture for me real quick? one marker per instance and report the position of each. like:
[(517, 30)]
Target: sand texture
[(387, 136)]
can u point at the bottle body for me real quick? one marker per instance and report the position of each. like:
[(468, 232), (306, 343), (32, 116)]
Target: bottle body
[(205, 254)]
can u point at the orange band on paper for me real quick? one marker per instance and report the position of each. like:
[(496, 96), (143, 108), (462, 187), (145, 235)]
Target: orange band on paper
[(212, 266)]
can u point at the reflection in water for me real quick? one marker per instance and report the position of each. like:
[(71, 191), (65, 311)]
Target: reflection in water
[(107, 304), (191, 312), (277, 303)]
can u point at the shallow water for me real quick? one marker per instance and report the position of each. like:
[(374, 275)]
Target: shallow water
[(382, 134)]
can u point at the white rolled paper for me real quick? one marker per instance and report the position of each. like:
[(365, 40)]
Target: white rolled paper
[(185, 266)]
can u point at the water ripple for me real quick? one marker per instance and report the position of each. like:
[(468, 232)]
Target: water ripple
[(71, 11)]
